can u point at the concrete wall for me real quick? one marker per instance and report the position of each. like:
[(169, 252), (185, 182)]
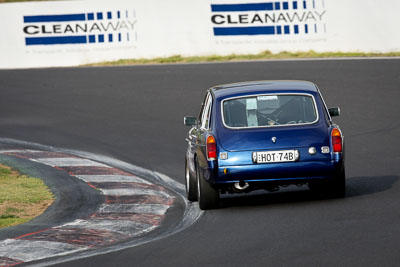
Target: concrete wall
[(69, 33)]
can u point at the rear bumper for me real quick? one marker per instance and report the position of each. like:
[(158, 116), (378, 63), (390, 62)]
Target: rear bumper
[(288, 171)]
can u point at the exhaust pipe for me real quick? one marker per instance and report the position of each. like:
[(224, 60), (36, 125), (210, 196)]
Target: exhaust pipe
[(240, 186)]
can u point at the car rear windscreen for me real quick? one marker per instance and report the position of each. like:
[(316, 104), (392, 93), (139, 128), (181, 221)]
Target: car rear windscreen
[(269, 110)]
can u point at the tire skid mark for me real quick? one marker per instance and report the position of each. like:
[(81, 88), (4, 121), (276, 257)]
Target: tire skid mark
[(20, 250), (127, 185), (132, 192), (93, 170), (33, 154), (136, 217), (69, 161), (9, 262), (87, 238), (125, 227), (139, 199), (133, 207), (112, 178), (156, 209)]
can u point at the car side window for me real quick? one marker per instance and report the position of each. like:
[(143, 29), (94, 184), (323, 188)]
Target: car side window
[(325, 108), (203, 104), (205, 119), (208, 117)]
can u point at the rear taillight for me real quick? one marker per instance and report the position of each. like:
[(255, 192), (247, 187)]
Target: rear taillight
[(211, 148), (336, 140)]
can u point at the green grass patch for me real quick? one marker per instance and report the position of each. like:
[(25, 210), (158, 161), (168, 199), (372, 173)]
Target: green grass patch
[(21, 197), (13, 210), (7, 216), (233, 57), (6, 222)]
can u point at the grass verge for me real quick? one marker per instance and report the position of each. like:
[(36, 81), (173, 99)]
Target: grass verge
[(22, 198), (261, 56)]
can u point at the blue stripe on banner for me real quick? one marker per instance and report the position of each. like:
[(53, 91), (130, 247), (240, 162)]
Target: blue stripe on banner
[(306, 28), (109, 15), (285, 5), (278, 29), (55, 40), (244, 30), (242, 7), (286, 29), (296, 29), (55, 18), (295, 5), (304, 4)]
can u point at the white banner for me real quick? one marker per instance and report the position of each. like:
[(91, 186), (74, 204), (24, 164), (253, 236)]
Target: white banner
[(70, 33)]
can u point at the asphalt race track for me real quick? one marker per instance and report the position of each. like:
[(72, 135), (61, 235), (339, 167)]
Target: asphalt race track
[(135, 114)]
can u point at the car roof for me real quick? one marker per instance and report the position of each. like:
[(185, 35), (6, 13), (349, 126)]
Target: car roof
[(266, 87)]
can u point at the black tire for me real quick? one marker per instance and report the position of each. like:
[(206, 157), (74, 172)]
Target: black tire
[(338, 185), (190, 184), (207, 195), (335, 187)]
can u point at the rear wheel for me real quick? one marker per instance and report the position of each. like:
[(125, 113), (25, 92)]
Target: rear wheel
[(339, 185), (190, 182), (334, 187), (207, 195)]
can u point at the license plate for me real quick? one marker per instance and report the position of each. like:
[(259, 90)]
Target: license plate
[(275, 156)]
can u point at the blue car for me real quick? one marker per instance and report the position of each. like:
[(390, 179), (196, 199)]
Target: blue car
[(263, 135)]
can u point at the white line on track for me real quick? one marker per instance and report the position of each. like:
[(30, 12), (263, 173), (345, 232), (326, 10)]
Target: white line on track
[(133, 192), (18, 150), (112, 178), (191, 214), (68, 162), (28, 250), (120, 226), (156, 209)]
